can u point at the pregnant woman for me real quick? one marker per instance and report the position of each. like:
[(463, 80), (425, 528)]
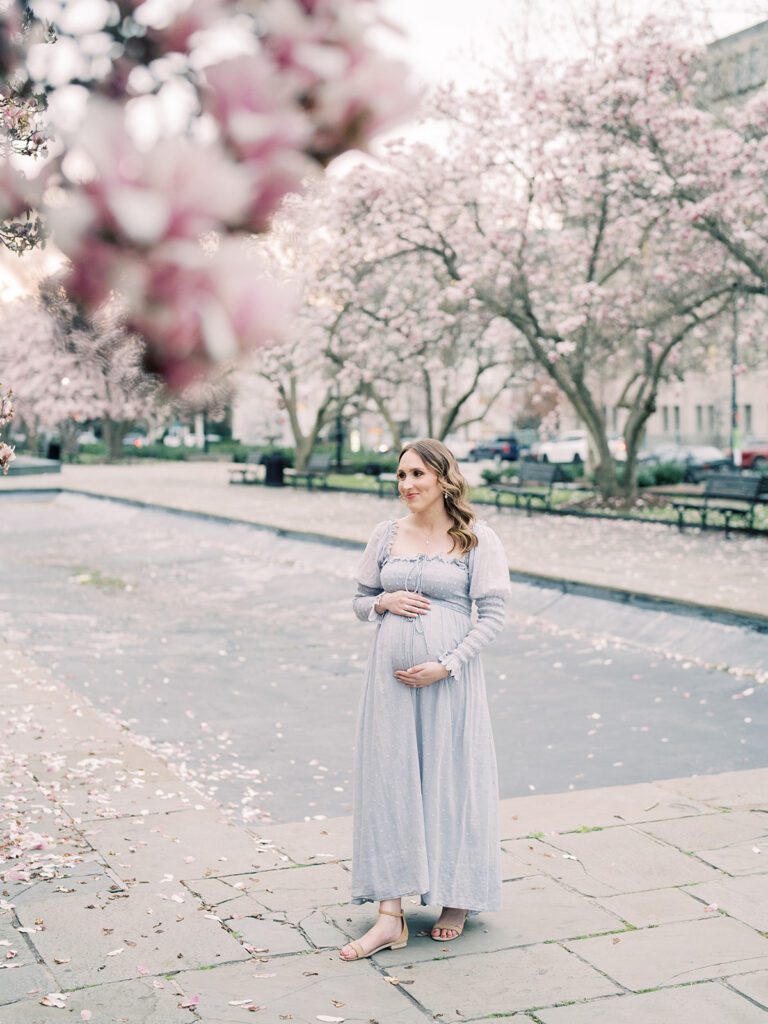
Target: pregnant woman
[(425, 783)]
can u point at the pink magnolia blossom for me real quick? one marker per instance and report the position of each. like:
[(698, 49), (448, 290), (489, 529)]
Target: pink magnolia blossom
[(307, 86)]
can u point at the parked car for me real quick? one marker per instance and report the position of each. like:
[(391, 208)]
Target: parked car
[(574, 447), (134, 440), (87, 437), (506, 449), (754, 454), (697, 460)]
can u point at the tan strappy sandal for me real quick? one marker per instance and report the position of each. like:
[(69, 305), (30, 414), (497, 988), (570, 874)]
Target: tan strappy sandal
[(450, 928), (396, 944)]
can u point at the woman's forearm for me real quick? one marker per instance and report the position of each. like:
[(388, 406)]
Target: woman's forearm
[(490, 619), (367, 603)]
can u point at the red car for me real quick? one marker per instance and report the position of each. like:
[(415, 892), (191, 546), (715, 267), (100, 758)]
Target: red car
[(754, 453)]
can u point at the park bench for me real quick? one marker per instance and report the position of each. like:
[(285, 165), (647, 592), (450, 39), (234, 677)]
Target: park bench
[(386, 480), (727, 494), (248, 472), (318, 467), (535, 481)]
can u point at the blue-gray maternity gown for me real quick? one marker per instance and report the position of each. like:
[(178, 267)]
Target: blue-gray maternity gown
[(426, 812)]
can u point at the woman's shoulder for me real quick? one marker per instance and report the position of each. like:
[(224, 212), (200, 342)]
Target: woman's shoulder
[(481, 528), (485, 533), (382, 528)]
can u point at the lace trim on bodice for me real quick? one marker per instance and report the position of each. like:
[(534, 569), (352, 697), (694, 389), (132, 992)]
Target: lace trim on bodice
[(389, 557)]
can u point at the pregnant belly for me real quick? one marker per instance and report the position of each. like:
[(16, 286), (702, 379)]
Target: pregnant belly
[(443, 629)]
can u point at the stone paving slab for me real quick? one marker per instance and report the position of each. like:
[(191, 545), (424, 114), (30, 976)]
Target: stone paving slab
[(676, 953), (754, 986), (149, 931), (475, 985), (607, 805), (91, 877), (745, 898), (611, 861), (299, 989), (193, 843), (298, 887), (109, 781), (740, 859), (141, 1001), (747, 789), (712, 831), (312, 842), (318, 928), (708, 1003), (17, 983), (268, 932), (657, 906)]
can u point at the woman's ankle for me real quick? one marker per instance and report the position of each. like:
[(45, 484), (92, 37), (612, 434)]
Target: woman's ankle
[(392, 906)]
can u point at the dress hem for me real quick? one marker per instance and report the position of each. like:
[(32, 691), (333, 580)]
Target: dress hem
[(453, 901)]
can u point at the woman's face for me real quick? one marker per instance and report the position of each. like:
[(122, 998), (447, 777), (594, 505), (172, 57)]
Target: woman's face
[(417, 482)]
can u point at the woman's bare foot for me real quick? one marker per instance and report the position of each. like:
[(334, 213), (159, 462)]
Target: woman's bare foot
[(386, 929), (449, 923)]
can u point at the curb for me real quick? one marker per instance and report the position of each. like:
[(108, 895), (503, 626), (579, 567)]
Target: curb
[(636, 598)]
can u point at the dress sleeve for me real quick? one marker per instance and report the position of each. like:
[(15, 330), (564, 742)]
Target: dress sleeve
[(488, 587), (368, 575)]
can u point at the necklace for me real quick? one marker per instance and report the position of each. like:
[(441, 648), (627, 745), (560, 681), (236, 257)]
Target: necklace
[(427, 536)]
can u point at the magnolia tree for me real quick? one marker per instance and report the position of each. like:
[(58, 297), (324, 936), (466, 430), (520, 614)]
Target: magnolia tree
[(705, 169), (537, 216), (67, 371), (7, 454), (381, 335), (179, 126), (110, 358)]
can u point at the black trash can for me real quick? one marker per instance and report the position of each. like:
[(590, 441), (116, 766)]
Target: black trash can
[(54, 450), (274, 463)]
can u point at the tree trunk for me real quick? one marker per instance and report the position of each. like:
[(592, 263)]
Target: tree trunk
[(304, 444), (394, 428), (113, 432)]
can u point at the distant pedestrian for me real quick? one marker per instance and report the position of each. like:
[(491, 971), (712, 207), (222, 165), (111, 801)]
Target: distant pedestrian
[(426, 813)]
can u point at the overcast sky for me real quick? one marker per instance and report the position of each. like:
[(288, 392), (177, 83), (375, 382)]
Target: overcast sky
[(452, 39)]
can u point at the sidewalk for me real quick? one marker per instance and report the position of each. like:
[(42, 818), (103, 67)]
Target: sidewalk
[(700, 570), (125, 898)]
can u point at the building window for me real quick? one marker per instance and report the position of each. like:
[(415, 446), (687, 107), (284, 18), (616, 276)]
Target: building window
[(699, 419), (665, 418), (747, 419), (676, 413), (711, 416)]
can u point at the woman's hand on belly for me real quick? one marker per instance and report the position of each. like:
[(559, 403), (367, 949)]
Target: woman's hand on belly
[(422, 675), (404, 602)]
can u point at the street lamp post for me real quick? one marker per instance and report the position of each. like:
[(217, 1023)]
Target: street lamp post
[(735, 430), (339, 433)]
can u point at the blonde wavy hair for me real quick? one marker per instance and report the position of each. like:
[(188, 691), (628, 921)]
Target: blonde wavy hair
[(434, 454)]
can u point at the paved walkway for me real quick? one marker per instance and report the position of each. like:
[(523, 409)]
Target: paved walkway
[(702, 570), (124, 897)]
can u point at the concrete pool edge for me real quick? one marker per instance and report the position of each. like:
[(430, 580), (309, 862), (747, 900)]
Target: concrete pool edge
[(645, 600)]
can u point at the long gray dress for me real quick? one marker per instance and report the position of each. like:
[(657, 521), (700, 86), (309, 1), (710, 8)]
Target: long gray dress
[(426, 816)]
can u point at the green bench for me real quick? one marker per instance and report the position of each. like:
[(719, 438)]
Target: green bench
[(386, 480), (727, 494), (249, 472), (534, 482), (318, 468)]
